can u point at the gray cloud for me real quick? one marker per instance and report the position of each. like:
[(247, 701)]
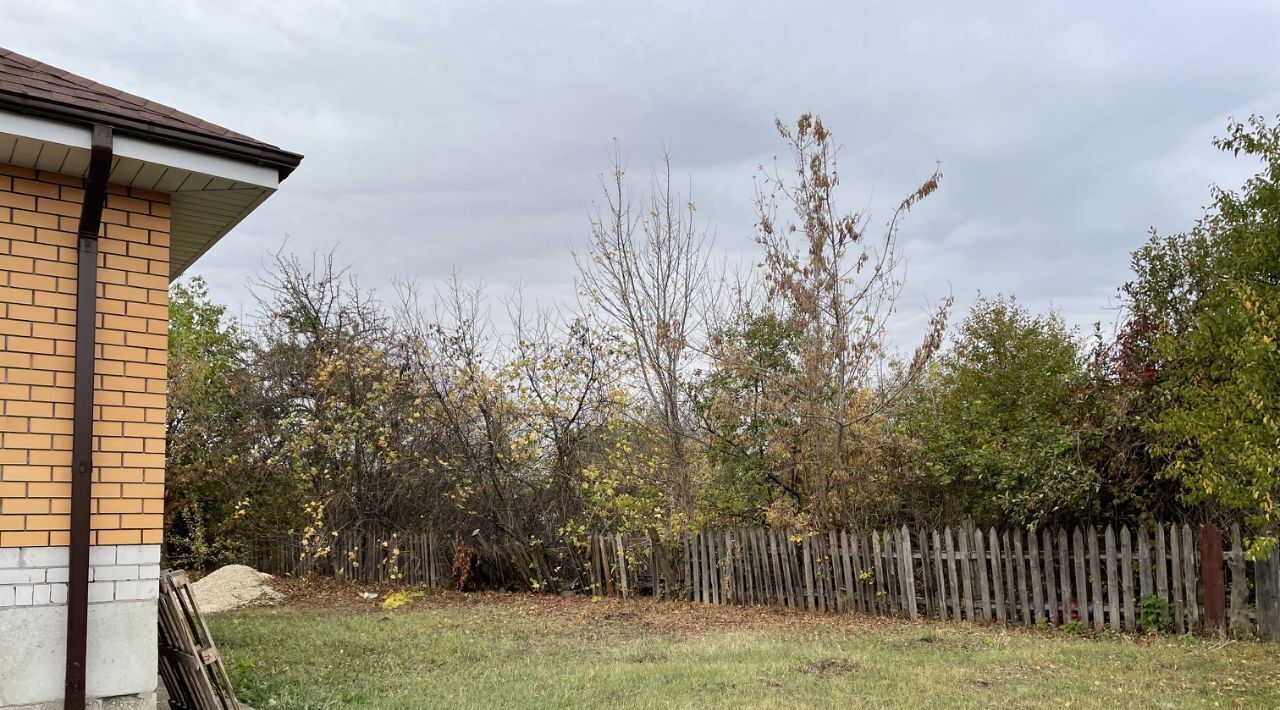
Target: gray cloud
[(471, 135)]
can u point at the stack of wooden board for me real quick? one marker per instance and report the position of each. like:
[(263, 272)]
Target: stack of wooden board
[(190, 665)]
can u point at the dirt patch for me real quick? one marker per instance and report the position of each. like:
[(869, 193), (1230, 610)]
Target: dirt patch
[(233, 587), (1008, 673), (581, 612), (828, 667)]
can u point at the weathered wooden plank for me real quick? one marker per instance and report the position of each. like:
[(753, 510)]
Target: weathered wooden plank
[(1191, 578), (1175, 579), (1128, 620), (997, 578), (909, 576), (764, 576), (704, 567), (838, 568), (794, 580), (733, 568), (773, 559), (781, 570), (759, 594), (692, 568), (776, 570), (714, 560), (1050, 577), (768, 551), (1082, 582), (922, 544), (853, 560), (940, 583), (1113, 581), (1262, 598), (606, 568), (829, 567), (874, 563), (1264, 592), (1267, 579), (1146, 583), (869, 584), (1269, 603), (768, 587), (686, 569), (832, 568), (1160, 565), (1006, 576), (730, 559), (719, 568), (758, 566), (899, 572), (847, 573), (855, 571), (1034, 569), (1020, 568), (813, 575), (1238, 614), (980, 568), (836, 601), (894, 546), (431, 560), (790, 545), (966, 572), (866, 574), (953, 575), (622, 565), (1064, 576), (881, 593), (856, 563), (1212, 586), (810, 602), (724, 562), (894, 595)]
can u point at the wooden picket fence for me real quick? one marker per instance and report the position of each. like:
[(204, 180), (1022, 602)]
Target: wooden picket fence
[(1095, 578), (604, 564), (1198, 578), (371, 554)]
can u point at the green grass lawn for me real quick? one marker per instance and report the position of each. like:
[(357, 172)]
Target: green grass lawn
[(514, 651)]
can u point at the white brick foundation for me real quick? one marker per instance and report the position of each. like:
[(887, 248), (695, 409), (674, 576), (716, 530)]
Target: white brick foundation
[(37, 576), (124, 584)]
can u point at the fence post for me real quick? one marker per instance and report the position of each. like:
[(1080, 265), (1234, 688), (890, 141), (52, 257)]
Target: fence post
[(909, 576), (1212, 584)]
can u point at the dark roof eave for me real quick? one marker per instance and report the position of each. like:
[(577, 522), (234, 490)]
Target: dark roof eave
[(259, 154)]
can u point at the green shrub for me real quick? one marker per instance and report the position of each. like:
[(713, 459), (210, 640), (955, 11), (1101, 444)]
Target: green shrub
[(1153, 615), (1075, 627)]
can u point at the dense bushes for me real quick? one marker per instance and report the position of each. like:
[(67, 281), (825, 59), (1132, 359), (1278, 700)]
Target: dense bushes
[(678, 398)]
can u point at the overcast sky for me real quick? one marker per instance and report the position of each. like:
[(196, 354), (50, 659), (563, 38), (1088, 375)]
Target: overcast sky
[(472, 134)]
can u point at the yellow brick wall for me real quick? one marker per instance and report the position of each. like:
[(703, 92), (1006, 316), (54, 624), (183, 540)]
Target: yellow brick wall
[(39, 215)]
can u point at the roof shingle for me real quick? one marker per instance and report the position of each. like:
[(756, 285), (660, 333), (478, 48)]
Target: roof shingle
[(33, 86)]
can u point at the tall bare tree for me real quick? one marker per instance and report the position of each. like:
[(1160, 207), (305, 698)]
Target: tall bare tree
[(647, 273), (837, 284)]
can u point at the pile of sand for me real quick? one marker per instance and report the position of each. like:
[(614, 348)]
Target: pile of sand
[(232, 587)]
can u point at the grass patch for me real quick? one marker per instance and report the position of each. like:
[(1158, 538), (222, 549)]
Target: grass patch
[(499, 651)]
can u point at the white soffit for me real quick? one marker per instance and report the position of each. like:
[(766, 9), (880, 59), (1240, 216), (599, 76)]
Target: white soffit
[(210, 194)]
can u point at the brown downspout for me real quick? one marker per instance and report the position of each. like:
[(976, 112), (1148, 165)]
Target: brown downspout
[(95, 193)]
